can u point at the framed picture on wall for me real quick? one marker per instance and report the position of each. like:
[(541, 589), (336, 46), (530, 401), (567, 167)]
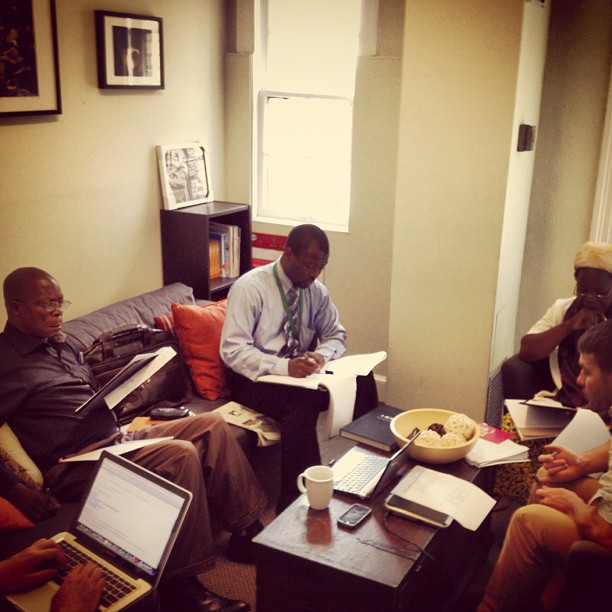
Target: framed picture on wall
[(130, 51), (29, 67), (184, 172)]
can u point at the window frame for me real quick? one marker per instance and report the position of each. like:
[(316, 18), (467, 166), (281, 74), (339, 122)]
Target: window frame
[(260, 96)]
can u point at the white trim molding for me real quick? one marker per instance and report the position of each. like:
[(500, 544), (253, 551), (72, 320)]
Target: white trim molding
[(601, 224)]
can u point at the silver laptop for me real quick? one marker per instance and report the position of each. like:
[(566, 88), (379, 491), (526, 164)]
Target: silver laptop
[(127, 524), (363, 474)]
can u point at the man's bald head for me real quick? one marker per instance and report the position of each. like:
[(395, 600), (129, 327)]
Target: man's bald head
[(34, 302), (21, 283)]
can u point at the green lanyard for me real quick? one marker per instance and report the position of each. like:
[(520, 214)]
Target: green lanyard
[(295, 332)]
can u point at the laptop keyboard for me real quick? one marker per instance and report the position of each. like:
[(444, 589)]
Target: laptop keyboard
[(116, 586), (361, 473)]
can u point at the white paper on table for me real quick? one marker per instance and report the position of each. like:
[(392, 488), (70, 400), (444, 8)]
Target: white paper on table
[(115, 449), (464, 501), (342, 385), (488, 453)]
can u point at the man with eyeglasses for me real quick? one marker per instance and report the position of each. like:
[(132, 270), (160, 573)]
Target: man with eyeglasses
[(281, 320), (556, 334), (43, 381), (571, 513)]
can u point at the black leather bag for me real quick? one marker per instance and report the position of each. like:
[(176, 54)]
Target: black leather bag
[(169, 386)]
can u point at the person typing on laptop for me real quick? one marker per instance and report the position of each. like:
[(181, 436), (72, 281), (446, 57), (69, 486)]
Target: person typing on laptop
[(42, 382), (80, 591)]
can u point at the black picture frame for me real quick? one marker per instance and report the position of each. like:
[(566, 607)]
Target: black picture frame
[(130, 51), (29, 74)]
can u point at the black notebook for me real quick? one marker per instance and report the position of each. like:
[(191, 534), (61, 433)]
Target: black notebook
[(373, 428)]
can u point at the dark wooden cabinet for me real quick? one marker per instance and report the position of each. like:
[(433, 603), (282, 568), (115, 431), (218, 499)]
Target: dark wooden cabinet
[(184, 236)]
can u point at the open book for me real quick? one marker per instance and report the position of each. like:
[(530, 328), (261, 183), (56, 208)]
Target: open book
[(339, 378), (264, 427), (133, 374)]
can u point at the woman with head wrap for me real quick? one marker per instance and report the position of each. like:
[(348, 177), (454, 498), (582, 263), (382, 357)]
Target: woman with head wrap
[(556, 334)]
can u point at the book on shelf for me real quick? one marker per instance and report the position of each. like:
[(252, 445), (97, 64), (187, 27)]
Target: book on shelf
[(139, 369), (229, 237), (214, 258), (373, 428), (534, 422), (236, 237)]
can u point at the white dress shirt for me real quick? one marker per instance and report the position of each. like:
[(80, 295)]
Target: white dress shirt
[(253, 332)]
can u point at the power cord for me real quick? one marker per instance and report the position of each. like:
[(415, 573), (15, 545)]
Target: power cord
[(394, 550), (409, 542)]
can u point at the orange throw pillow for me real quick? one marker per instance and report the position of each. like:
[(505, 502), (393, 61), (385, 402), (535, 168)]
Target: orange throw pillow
[(198, 330), (11, 518)]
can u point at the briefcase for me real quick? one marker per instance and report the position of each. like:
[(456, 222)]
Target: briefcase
[(169, 386)]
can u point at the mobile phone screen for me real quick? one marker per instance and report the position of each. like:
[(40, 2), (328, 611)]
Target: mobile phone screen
[(354, 515)]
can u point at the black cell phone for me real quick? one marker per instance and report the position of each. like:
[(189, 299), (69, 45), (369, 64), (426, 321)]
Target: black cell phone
[(167, 414), (355, 515)]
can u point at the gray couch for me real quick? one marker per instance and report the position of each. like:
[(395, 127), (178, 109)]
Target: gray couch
[(142, 309)]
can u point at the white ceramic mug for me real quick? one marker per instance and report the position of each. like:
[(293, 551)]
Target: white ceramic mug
[(317, 482)]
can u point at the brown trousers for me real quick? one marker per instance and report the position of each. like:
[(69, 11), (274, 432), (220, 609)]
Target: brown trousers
[(204, 458)]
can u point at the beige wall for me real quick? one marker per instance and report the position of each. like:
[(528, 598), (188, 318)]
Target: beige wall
[(458, 93), (80, 191), (569, 141), (532, 54), (417, 272)]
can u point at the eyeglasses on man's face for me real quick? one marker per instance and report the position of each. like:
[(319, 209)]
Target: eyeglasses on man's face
[(582, 294), (51, 305)]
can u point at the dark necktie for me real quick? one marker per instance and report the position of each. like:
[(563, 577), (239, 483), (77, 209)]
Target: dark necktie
[(292, 343)]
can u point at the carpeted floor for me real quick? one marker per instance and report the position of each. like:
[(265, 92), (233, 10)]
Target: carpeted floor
[(236, 580), (233, 580)]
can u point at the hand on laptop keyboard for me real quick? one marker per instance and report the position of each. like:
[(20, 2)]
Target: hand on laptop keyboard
[(42, 560), (80, 591)]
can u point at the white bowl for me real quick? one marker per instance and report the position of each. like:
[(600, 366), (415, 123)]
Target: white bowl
[(404, 423)]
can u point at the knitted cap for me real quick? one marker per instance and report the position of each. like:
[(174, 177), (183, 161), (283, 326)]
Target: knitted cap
[(596, 255)]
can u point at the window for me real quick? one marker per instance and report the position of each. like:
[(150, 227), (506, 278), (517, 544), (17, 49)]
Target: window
[(305, 81)]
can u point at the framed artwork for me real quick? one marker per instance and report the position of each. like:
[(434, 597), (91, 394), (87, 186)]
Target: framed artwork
[(29, 67), (130, 51), (184, 172)]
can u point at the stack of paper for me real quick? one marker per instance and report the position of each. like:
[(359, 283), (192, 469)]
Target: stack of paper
[(539, 420), (486, 453)]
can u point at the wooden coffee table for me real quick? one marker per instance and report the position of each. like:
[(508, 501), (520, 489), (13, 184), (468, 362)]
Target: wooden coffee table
[(305, 562)]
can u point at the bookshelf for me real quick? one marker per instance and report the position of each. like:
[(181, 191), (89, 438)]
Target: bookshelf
[(185, 254)]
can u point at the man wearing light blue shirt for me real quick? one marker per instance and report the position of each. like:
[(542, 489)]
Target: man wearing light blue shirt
[(281, 320)]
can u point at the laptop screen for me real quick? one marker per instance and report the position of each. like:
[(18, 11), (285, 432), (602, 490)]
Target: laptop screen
[(132, 514)]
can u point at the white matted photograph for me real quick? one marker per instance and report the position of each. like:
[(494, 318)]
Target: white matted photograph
[(129, 51), (184, 172)]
